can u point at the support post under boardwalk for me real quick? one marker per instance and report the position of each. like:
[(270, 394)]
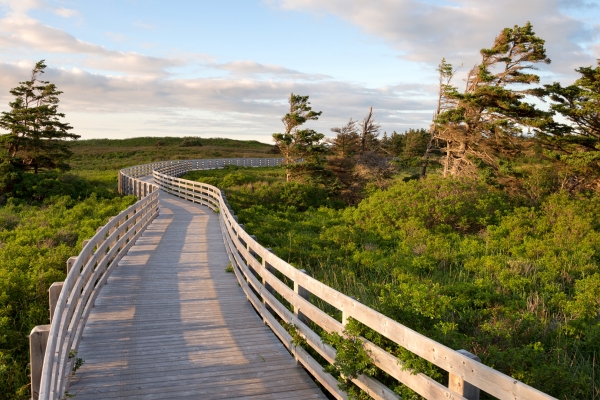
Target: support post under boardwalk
[(38, 339), (460, 386)]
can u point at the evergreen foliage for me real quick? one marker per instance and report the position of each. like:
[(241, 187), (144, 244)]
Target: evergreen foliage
[(297, 143), (37, 137), (576, 146), (489, 117)]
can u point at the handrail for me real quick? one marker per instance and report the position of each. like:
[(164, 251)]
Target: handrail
[(98, 258), (255, 266), (87, 276)]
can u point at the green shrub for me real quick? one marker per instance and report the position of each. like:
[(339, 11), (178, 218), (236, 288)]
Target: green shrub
[(36, 242)]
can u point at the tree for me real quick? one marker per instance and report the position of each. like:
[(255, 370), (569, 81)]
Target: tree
[(36, 137), (346, 142), (576, 146), (446, 101), (297, 143), (490, 116), (369, 131)]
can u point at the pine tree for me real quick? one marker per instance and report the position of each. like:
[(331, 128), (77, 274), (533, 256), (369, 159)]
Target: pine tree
[(297, 143), (490, 116), (346, 142), (576, 146), (36, 137), (369, 131)]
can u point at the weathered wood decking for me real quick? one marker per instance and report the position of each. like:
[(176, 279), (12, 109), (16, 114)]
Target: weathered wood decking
[(171, 323)]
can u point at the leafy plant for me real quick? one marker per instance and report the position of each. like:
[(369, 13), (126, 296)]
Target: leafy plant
[(78, 361), (352, 359)]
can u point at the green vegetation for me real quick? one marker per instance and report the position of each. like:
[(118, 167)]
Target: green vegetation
[(458, 260), (36, 138), (46, 213), (494, 250), (36, 240), (45, 217)]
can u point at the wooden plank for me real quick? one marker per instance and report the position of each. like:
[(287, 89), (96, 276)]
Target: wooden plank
[(172, 322)]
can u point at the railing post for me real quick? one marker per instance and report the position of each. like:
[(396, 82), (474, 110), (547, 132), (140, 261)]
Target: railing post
[(53, 294), (70, 263), (38, 339), (305, 294), (457, 384), (269, 288), (345, 314)]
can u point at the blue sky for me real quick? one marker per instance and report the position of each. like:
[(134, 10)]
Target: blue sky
[(225, 68)]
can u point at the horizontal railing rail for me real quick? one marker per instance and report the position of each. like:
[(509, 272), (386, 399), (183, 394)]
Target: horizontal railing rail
[(98, 258), (257, 270), (88, 274), (268, 283)]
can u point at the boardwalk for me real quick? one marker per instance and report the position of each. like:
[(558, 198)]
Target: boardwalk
[(172, 323)]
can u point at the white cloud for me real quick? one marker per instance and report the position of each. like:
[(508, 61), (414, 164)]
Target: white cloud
[(22, 31), (116, 37), (66, 12), (22, 6), (249, 67), (232, 104), (425, 32), (143, 25), (251, 99), (19, 30)]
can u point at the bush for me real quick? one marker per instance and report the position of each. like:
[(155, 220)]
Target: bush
[(191, 142), (36, 243), (37, 188)]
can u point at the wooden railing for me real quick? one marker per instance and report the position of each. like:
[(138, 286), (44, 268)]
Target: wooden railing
[(265, 279), (87, 275), (54, 347), (259, 271)]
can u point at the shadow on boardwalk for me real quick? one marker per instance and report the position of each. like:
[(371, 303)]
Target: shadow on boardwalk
[(171, 323)]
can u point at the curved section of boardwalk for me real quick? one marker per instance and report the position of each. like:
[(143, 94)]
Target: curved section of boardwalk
[(172, 323)]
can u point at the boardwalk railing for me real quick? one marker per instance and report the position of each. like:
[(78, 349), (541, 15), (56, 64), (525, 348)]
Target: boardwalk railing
[(261, 274), (56, 345), (86, 277), (268, 282)]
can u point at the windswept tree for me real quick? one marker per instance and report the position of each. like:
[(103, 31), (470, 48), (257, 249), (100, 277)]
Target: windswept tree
[(369, 131), (36, 138), (346, 142), (446, 101), (297, 143), (487, 120), (576, 146)]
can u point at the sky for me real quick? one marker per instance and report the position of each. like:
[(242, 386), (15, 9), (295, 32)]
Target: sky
[(225, 68)]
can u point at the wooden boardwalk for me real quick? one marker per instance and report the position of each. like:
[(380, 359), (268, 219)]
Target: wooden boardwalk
[(172, 323)]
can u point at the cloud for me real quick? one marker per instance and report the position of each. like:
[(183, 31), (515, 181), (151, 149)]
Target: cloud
[(581, 4), (249, 97), (255, 105), (423, 31), (17, 30), (143, 25), (65, 12), (249, 68), (22, 6), (21, 31), (116, 37)]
